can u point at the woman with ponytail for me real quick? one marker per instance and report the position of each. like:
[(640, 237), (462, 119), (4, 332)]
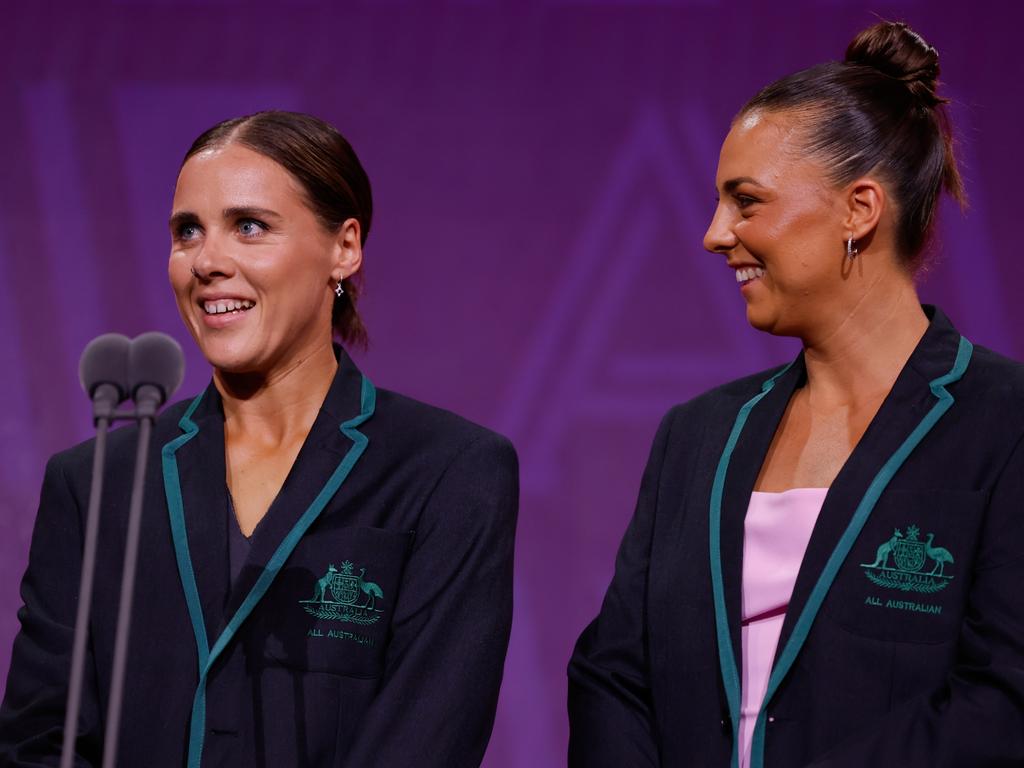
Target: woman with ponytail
[(825, 563), (325, 566)]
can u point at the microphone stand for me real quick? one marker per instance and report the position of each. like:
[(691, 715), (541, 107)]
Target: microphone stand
[(148, 399), (105, 401)]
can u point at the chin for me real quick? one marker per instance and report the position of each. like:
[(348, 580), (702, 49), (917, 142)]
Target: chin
[(766, 322), (230, 358), (758, 320)]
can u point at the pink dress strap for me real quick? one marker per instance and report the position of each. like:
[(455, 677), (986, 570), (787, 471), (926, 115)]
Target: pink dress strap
[(775, 535)]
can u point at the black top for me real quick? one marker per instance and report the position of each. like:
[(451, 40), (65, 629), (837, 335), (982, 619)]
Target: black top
[(239, 545)]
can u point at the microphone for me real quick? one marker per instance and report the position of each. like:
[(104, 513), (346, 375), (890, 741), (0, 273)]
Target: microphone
[(103, 372), (156, 367)]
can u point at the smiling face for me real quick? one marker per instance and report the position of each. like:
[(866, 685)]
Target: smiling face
[(781, 225), (252, 268)]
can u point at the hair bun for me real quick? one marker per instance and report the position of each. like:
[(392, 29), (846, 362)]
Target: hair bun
[(896, 50)]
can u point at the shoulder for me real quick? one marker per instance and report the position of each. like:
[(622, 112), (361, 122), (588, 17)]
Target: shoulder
[(411, 426), (76, 462), (993, 375), (721, 402), (469, 474), (989, 398)]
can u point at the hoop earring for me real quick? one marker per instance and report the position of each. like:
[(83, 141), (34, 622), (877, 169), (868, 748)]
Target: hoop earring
[(338, 290), (851, 249)]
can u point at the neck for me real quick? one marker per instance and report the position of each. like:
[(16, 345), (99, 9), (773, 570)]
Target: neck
[(280, 405), (858, 359)]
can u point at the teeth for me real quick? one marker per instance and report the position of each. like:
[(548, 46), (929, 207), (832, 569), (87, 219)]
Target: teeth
[(222, 306), (748, 273)]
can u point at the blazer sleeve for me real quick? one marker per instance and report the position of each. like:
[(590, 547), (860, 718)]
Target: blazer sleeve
[(450, 631), (611, 722), (977, 717), (33, 709)]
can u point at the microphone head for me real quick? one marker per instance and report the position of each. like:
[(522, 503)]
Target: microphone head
[(155, 359), (105, 361)]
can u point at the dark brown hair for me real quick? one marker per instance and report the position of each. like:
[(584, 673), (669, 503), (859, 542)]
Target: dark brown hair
[(878, 112), (325, 165)]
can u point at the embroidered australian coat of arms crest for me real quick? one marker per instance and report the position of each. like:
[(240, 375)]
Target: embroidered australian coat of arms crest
[(909, 557), (343, 596)]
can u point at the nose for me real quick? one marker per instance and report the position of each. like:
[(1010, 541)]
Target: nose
[(720, 237), (213, 259)]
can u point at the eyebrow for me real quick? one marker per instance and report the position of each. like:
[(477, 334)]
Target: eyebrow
[(731, 184), (181, 218), (238, 212), (249, 212)]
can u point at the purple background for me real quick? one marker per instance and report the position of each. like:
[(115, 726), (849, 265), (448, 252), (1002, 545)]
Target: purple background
[(543, 173)]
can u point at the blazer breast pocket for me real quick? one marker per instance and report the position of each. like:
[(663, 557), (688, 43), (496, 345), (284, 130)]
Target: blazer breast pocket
[(330, 608), (908, 575)]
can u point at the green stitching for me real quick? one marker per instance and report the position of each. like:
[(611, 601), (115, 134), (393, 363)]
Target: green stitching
[(345, 589), (909, 556)]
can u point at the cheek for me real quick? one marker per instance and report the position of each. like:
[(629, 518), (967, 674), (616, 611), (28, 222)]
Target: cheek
[(307, 265), (178, 272)]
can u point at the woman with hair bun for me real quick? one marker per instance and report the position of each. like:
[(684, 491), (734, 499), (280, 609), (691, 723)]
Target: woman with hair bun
[(825, 562), (326, 567)]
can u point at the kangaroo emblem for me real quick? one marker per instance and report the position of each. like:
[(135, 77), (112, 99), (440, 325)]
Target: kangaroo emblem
[(882, 557), (323, 585)]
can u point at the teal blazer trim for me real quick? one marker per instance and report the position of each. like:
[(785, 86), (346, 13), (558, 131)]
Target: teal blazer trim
[(726, 659), (175, 506), (802, 628)]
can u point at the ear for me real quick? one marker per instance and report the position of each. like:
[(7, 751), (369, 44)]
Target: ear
[(865, 203), (348, 250)]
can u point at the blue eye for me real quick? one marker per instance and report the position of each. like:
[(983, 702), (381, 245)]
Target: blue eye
[(251, 227), (187, 232)]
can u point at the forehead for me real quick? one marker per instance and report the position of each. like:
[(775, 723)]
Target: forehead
[(237, 176), (767, 146)]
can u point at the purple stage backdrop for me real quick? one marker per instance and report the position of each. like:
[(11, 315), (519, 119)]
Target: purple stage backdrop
[(543, 173)]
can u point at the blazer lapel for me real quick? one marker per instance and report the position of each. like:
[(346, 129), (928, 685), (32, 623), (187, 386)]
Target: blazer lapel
[(902, 410), (322, 451), (744, 467), (201, 475)]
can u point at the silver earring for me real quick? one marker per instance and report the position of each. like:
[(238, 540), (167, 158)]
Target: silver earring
[(338, 290), (851, 249)]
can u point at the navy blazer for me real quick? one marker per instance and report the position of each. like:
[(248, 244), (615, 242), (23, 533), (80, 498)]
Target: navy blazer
[(368, 626), (903, 642)]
